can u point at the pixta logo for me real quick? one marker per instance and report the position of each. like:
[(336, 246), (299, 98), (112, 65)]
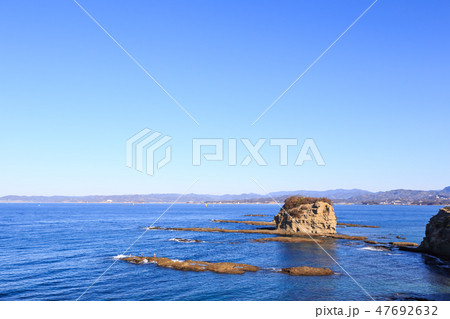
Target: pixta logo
[(308, 151), (147, 151), (141, 148)]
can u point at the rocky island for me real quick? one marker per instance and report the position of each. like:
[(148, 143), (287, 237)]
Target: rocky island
[(307, 215)]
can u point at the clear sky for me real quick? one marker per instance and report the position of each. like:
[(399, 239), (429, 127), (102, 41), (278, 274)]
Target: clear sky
[(377, 104)]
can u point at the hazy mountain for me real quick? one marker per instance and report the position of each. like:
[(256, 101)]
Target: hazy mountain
[(331, 194), (347, 196), (405, 196)]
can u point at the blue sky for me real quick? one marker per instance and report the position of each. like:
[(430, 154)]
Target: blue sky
[(377, 104)]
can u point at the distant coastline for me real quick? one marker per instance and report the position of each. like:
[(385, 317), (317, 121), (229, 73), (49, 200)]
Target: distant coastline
[(203, 203), (338, 196)]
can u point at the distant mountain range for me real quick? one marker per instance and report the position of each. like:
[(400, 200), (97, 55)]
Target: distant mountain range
[(339, 196), (331, 194), (405, 197)]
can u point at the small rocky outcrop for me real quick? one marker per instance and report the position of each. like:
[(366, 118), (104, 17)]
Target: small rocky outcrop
[(347, 237), (307, 271), (437, 235), (306, 215), (403, 244)]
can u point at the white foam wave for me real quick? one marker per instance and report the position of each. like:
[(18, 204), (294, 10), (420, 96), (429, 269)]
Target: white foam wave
[(121, 256), (372, 248)]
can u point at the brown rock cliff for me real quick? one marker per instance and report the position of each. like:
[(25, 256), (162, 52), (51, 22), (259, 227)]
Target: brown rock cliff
[(306, 215)]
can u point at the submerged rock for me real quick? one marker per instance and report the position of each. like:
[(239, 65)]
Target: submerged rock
[(185, 240), (357, 225), (260, 215), (289, 239), (307, 271), (437, 235), (306, 215), (400, 296)]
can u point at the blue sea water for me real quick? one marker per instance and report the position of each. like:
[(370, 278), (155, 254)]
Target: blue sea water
[(56, 251)]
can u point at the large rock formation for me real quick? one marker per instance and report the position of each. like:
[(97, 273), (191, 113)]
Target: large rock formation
[(437, 235), (306, 215)]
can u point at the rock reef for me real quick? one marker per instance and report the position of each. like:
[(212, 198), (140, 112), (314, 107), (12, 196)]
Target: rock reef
[(288, 239), (348, 237), (307, 216), (221, 230), (247, 222), (221, 267), (193, 265), (307, 271), (403, 244), (437, 235), (258, 231)]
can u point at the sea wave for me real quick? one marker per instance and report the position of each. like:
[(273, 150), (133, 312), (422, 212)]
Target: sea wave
[(274, 269), (120, 256), (372, 248)]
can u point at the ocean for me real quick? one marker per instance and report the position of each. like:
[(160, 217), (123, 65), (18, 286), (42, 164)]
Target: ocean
[(56, 251)]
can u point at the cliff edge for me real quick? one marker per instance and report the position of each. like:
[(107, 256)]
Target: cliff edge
[(437, 235)]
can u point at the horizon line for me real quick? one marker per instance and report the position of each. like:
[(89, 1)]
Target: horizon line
[(231, 194)]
